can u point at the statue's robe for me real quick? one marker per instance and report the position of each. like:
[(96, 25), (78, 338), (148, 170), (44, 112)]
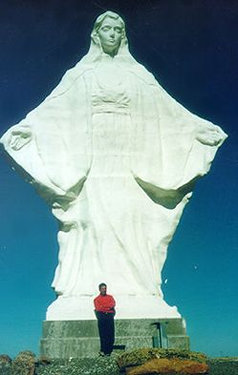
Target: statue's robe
[(113, 228)]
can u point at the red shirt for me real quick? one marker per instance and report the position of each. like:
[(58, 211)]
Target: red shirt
[(104, 303)]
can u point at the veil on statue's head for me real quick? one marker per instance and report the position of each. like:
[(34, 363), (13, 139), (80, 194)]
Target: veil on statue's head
[(95, 41), (96, 52), (96, 55)]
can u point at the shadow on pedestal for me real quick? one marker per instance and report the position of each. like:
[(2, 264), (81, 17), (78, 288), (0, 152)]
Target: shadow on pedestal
[(79, 338)]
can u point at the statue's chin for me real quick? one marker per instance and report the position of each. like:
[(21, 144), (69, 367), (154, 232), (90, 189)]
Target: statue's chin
[(110, 50)]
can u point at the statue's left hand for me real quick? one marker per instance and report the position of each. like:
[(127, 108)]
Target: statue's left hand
[(210, 135), (19, 138)]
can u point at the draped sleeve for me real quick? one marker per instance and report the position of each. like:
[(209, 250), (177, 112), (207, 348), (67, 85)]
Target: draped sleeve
[(172, 146), (52, 144)]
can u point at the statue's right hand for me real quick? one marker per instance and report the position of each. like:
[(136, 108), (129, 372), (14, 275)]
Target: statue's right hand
[(210, 135), (19, 138)]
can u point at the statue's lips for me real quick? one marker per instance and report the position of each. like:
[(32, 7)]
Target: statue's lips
[(111, 41)]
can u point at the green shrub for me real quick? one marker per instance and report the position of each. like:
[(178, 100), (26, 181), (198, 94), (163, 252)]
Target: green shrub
[(172, 365), (228, 366), (140, 356), (24, 363), (5, 360)]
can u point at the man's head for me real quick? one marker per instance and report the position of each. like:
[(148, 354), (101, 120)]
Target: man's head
[(109, 28), (103, 289)]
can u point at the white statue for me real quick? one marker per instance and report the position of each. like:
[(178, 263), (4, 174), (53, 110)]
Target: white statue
[(116, 158)]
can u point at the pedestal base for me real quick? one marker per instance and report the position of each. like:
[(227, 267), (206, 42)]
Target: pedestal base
[(65, 339)]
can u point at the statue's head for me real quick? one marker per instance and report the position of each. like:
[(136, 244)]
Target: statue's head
[(109, 32)]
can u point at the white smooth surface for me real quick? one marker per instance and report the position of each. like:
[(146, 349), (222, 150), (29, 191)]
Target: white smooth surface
[(115, 157)]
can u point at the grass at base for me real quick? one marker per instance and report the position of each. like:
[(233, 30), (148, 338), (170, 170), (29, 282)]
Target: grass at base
[(83, 366), (223, 366), (108, 366)]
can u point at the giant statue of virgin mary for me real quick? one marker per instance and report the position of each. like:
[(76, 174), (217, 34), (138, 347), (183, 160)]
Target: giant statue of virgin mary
[(116, 158)]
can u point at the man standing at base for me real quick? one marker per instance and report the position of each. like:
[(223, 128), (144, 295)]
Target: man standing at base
[(105, 311)]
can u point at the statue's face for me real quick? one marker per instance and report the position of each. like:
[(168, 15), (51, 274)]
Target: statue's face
[(110, 35)]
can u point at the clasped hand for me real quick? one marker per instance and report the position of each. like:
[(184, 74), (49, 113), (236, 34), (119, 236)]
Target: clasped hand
[(20, 138), (210, 135)]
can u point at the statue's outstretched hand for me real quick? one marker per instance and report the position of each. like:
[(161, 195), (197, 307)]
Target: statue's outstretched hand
[(20, 138), (210, 135)]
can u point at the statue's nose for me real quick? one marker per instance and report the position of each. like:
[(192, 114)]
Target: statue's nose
[(112, 33)]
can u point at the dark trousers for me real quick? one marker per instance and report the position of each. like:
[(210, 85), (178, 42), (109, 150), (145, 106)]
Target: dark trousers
[(106, 331)]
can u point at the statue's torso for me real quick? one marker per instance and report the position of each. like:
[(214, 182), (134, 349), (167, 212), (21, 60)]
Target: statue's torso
[(111, 120)]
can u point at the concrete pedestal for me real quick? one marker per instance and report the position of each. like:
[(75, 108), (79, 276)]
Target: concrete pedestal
[(79, 338)]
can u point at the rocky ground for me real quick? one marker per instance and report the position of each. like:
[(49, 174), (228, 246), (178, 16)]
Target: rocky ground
[(84, 366), (108, 366), (93, 366)]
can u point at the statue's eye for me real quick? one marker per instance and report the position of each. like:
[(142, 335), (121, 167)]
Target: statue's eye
[(105, 28), (118, 30)]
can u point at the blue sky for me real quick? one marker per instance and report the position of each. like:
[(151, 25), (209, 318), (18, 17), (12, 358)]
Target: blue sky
[(192, 48)]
